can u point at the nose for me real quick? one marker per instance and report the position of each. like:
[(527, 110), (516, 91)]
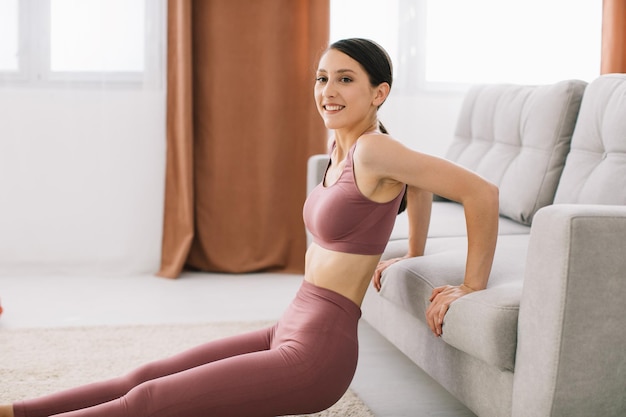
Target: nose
[(329, 90)]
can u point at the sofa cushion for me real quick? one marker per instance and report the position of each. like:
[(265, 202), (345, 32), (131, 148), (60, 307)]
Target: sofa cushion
[(448, 220), (595, 169), (518, 137), (482, 324)]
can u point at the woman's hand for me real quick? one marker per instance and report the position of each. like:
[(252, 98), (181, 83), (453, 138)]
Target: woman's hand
[(440, 301), (382, 265)]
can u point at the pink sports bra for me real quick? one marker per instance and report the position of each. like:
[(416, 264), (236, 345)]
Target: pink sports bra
[(342, 219)]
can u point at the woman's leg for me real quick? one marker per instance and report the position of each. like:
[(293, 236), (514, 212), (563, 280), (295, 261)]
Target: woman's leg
[(106, 391), (300, 376), (310, 362)]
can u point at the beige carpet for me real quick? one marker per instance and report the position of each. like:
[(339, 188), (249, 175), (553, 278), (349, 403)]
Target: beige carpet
[(34, 362)]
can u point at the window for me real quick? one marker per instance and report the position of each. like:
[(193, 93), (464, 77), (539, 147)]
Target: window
[(111, 35), (8, 35), (440, 45), (530, 41), (117, 41)]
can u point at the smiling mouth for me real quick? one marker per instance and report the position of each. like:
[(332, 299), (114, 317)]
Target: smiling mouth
[(333, 107)]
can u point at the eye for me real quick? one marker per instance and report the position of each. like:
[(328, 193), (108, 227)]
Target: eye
[(321, 79), (345, 80)]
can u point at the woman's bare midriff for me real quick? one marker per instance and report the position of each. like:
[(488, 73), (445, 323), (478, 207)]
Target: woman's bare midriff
[(345, 273)]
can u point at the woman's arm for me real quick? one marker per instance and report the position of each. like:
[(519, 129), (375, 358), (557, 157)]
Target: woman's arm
[(387, 159), (418, 208), (481, 216)]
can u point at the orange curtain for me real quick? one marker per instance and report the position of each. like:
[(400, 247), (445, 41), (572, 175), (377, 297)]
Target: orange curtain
[(178, 211), (613, 36), (241, 123)]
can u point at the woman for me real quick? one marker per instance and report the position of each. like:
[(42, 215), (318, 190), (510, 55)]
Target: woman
[(306, 362)]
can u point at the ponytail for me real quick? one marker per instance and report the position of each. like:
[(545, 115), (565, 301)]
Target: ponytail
[(402, 206), (382, 128)]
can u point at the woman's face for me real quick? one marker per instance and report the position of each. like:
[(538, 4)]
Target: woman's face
[(343, 93)]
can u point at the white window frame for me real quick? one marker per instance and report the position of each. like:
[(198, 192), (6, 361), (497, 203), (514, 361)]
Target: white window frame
[(34, 57), (19, 75)]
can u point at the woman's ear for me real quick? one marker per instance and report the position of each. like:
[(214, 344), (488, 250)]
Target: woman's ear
[(382, 92)]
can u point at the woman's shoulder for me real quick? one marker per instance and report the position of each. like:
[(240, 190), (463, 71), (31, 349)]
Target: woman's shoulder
[(375, 158), (377, 154), (376, 146)]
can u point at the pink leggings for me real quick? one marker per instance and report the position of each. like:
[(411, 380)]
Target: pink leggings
[(301, 365)]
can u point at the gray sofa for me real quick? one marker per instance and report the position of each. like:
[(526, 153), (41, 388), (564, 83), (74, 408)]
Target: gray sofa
[(548, 335)]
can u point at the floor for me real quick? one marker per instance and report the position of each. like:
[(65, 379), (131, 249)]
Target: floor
[(390, 384)]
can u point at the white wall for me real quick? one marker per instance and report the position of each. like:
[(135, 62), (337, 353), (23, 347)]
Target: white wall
[(81, 181), (82, 175), (424, 122)]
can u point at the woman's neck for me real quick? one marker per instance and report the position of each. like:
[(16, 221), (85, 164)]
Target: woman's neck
[(345, 138)]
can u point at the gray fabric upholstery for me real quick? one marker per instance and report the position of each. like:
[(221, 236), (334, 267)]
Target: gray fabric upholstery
[(518, 137), (483, 324), (571, 359), (484, 389), (448, 220), (595, 170), (316, 168)]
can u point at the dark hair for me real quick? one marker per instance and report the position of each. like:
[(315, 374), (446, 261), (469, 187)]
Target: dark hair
[(372, 57), (377, 63)]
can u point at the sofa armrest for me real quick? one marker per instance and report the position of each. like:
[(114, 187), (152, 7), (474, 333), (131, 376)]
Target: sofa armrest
[(570, 358), (316, 167)]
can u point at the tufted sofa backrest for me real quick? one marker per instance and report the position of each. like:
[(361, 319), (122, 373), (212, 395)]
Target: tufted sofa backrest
[(595, 170), (518, 137)]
